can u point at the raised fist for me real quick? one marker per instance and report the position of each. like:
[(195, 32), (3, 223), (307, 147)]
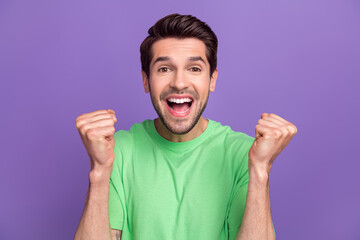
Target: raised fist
[(273, 134), (97, 130)]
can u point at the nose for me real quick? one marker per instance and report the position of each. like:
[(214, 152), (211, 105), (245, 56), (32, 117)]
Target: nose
[(179, 81)]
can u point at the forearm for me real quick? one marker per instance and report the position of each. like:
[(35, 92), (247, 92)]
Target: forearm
[(94, 223), (257, 222)]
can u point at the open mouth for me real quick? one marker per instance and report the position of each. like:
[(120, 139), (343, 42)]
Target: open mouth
[(179, 107)]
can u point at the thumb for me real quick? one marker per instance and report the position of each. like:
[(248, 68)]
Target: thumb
[(257, 133)]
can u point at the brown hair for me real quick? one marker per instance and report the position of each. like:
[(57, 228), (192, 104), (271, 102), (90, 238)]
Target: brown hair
[(179, 26)]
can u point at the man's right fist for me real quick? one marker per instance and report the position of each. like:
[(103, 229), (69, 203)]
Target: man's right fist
[(97, 130)]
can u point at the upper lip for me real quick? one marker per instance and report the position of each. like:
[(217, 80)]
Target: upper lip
[(179, 97)]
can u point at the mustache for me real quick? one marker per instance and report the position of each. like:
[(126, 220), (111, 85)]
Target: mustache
[(168, 92)]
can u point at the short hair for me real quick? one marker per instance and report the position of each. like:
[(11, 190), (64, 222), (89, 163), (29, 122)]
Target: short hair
[(181, 27)]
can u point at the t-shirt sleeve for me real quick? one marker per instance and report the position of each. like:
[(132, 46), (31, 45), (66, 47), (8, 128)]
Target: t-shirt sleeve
[(116, 190), (237, 207), (238, 201)]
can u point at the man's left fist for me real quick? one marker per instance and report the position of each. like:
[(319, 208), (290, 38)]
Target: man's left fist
[(272, 134)]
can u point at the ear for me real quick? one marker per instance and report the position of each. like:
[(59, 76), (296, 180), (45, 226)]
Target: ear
[(145, 81), (213, 80)]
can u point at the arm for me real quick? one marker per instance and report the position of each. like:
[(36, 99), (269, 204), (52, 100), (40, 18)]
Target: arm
[(94, 223), (97, 133), (272, 134), (257, 222)]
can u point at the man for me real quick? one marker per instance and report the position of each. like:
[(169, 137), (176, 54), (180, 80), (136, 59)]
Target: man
[(180, 176)]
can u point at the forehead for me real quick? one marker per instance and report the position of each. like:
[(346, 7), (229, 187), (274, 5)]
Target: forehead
[(179, 49)]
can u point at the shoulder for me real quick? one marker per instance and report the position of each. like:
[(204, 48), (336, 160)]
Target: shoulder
[(122, 137), (126, 137), (125, 141), (231, 138), (239, 138)]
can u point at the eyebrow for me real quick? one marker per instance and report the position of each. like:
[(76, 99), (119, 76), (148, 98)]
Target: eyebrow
[(193, 59), (197, 58), (161, 59)]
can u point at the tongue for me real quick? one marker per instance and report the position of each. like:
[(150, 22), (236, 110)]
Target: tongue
[(181, 107)]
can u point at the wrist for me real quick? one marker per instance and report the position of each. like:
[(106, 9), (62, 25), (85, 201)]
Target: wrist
[(259, 176), (99, 176)]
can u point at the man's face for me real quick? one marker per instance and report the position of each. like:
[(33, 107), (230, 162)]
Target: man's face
[(179, 82)]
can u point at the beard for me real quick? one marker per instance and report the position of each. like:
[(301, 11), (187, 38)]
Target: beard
[(179, 126)]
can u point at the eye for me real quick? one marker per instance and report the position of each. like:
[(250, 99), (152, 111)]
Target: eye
[(164, 69), (195, 69)]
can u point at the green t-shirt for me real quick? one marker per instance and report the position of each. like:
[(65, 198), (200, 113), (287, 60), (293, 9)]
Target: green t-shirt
[(163, 190)]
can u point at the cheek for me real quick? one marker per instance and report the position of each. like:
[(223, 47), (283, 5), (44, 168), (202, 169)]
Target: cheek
[(202, 88), (156, 90)]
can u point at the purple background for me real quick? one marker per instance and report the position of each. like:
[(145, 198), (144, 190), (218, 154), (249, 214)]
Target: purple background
[(298, 59)]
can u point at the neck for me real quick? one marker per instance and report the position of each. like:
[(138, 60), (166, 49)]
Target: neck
[(197, 130)]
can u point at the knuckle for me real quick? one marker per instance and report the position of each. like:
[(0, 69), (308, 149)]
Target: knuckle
[(82, 129), (79, 122), (292, 129), (263, 115), (277, 133), (285, 129), (78, 117), (272, 115), (262, 121), (81, 116)]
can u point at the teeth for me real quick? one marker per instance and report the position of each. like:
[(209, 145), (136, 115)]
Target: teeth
[(179, 100)]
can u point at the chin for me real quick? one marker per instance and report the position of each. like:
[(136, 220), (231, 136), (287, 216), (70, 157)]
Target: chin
[(179, 130), (179, 126)]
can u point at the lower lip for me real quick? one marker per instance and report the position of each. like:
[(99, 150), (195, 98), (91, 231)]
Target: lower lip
[(179, 114)]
